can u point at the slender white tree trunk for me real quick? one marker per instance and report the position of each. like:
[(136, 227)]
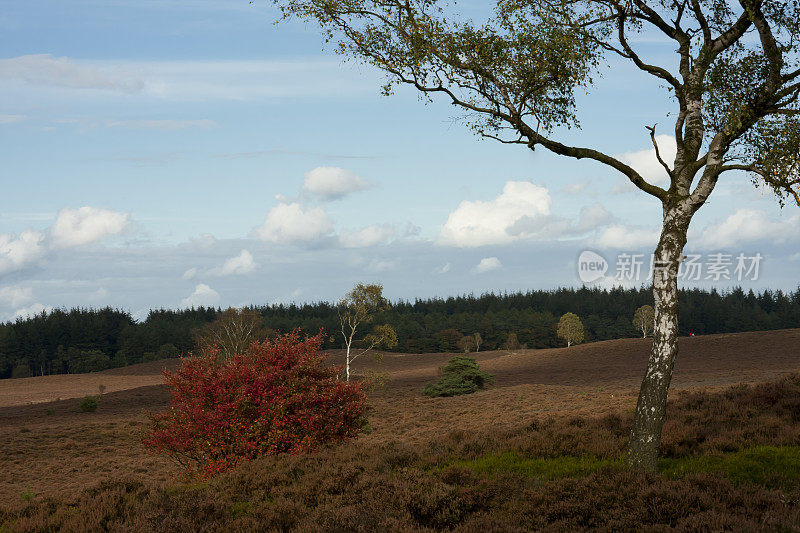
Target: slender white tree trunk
[(648, 420), (347, 363)]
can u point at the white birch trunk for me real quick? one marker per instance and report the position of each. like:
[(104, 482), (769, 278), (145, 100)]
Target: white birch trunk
[(648, 420)]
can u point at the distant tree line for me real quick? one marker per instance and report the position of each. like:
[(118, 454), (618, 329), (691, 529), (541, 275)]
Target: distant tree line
[(88, 340)]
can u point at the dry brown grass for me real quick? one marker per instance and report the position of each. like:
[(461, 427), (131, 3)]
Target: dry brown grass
[(545, 402)]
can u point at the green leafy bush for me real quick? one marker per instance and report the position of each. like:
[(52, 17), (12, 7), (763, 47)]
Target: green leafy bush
[(88, 404), (461, 376)]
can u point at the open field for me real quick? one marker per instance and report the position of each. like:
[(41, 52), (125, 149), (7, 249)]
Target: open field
[(52, 450)]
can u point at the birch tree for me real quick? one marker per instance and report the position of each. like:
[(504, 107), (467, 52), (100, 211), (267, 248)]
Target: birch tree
[(570, 328), (733, 83), (356, 311), (232, 333), (643, 319)]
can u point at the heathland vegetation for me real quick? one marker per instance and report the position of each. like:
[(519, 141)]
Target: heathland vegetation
[(540, 448), (86, 340)]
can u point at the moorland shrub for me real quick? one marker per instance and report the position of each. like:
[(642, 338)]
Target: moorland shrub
[(88, 404), (461, 376), (278, 397), (534, 477)]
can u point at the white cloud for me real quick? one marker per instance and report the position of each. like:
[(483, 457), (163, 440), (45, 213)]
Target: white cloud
[(332, 183), (11, 119), (368, 236), (203, 295), (290, 223), (100, 294), (74, 227), (190, 273), (487, 264), (646, 163), (593, 217), (15, 296), (746, 226), (16, 252), (163, 124), (621, 237), (521, 211), (31, 311), (238, 265), (377, 265), (412, 230), (44, 69), (444, 269), (576, 187)]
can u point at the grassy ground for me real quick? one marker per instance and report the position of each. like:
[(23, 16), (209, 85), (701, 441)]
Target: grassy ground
[(732, 462), (535, 452)]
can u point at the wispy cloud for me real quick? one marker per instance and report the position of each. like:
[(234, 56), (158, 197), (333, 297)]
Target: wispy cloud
[(189, 81), (284, 151), (47, 70), (12, 119), (162, 124)]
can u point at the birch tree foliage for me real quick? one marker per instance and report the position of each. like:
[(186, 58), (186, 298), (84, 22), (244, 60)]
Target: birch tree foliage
[(356, 311), (515, 75), (570, 328), (643, 319)]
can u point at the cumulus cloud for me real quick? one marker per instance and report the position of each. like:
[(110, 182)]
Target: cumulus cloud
[(74, 227), (746, 226), (368, 236), (521, 211), (44, 69), (332, 183), (593, 217), (237, 265), (487, 264), (17, 252), (190, 273), (31, 311), (646, 163), (100, 294), (289, 223), (15, 296), (203, 295), (621, 237)]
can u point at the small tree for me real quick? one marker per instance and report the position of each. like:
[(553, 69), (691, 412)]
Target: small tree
[(570, 328), (449, 340), (461, 376), (88, 404), (644, 320), (277, 397), (466, 343), (512, 342), (232, 332), (357, 309), (478, 341), (168, 351), (733, 82)]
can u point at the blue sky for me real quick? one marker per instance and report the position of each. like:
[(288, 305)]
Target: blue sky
[(166, 153)]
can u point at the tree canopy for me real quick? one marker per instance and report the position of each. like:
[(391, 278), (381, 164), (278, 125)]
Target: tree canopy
[(735, 80)]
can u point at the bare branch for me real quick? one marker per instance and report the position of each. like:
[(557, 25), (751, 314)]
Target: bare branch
[(652, 131)]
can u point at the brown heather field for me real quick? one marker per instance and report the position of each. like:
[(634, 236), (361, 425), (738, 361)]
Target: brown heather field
[(539, 450)]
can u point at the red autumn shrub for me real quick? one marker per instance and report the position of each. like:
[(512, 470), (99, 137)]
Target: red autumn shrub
[(279, 397)]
